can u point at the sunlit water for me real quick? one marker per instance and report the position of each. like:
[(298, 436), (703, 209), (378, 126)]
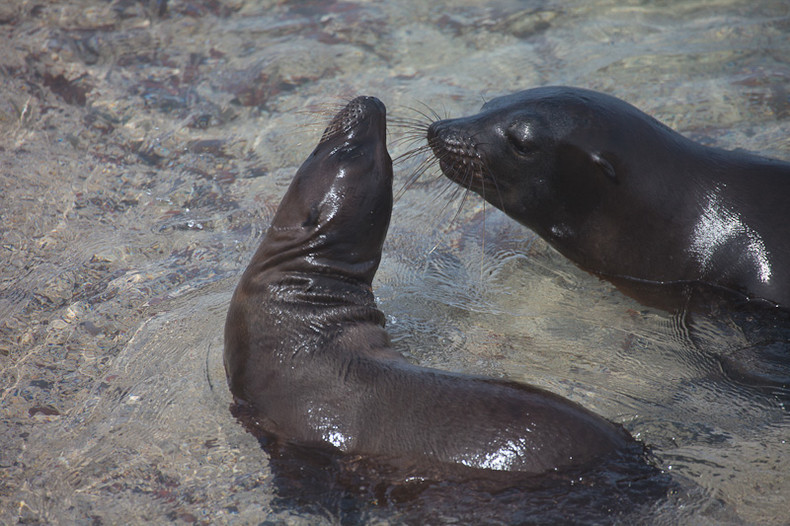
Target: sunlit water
[(143, 153)]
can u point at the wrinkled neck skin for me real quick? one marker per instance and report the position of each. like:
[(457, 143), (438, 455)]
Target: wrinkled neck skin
[(331, 226), (292, 269), (289, 255), (309, 282)]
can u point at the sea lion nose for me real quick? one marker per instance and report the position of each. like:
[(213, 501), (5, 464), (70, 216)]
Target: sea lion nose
[(441, 136), (434, 132), (372, 102), (445, 137)]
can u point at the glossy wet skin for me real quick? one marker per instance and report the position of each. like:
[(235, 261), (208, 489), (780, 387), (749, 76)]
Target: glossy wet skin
[(307, 353), (622, 195)]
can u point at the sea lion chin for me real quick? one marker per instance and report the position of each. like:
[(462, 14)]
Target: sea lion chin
[(307, 354), (624, 196)]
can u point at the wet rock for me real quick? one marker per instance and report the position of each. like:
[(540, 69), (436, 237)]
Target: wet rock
[(41, 384), (287, 68), (201, 8), (46, 411), (213, 147), (167, 97), (72, 91), (8, 13)]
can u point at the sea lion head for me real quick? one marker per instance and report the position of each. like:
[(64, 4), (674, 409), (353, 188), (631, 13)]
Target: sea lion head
[(335, 214), (542, 155)]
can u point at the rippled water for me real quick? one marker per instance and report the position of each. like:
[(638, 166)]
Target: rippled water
[(145, 145)]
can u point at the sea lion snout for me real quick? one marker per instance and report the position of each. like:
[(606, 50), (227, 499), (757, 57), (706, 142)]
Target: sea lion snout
[(457, 151), (351, 119)]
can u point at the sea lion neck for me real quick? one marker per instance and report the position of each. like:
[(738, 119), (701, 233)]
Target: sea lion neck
[(341, 193)]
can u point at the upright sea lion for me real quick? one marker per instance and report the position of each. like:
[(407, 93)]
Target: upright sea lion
[(624, 196), (307, 354)]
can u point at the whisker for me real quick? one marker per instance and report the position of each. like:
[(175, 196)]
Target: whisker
[(327, 109), (408, 122), (496, 186), (428, 114), (409, 140), (454, 197), (483, 240), (432, 114), (466, 169), (316, 116), (461, 206), (426, 164), (416, 132), (414, 152)]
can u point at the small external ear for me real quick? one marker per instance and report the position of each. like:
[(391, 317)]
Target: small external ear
[(313, 216), (604, 165)]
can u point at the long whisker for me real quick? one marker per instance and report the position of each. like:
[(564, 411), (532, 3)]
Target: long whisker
[(414, 152), (408, 122), (490, 177), (410, 138), (467, 190), (454, 189), (316, 116), (432, 114), (415, 147), (416, 132), (469, 170), (483, 240), (424, 166), (427, 113)]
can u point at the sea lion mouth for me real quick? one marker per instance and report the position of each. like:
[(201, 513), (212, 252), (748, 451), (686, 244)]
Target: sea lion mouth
[(458, 156), (350, 117), (462, 169)]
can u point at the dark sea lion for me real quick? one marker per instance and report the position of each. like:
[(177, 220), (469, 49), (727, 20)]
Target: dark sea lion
[(624, 196), (306, 351)]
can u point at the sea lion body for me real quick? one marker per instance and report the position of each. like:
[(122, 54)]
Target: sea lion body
[(624, 196), (307, 353)]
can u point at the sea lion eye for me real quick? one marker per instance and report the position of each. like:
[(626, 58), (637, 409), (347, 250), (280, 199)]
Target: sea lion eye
[(520, 135), (347, 152)]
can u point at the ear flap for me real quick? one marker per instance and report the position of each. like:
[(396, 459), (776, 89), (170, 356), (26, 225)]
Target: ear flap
[(604, 166), (313, 216)]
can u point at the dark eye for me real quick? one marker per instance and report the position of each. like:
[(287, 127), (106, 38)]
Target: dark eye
[(521, 137)]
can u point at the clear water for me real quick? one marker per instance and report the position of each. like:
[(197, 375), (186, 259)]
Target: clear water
[(142, 155)]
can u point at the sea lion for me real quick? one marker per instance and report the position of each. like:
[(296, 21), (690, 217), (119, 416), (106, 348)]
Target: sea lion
[(624, 196), (307, 354)]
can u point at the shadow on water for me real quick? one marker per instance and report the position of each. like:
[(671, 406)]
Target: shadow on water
[(320, 481), (755, 352), (749, 340)]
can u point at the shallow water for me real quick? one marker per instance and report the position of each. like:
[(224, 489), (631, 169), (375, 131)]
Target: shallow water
[(143, 153)]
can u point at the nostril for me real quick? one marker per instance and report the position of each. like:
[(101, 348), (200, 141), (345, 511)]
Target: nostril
[(433, 131), (441, 134), (446, 139)]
